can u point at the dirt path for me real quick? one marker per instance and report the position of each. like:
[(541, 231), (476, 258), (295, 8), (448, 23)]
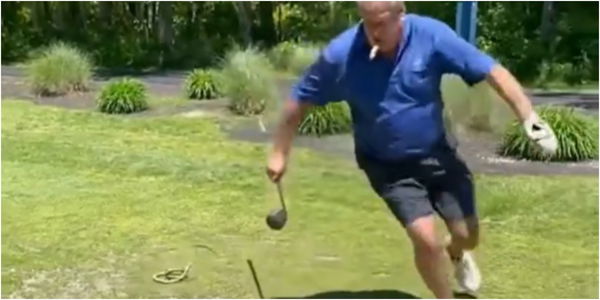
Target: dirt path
[(586, 102), (477, 149), (162, 84)]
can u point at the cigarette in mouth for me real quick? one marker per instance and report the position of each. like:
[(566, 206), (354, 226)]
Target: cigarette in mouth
[(373, 52)]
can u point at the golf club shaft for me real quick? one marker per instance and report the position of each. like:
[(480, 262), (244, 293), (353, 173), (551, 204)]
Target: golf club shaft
[(260, 293), (281, 195)]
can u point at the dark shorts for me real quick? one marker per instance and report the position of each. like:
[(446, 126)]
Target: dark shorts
[(418, 187)]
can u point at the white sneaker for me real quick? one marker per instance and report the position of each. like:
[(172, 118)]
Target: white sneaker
[(467, 274)]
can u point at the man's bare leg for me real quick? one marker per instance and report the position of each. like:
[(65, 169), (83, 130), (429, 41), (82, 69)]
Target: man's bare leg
[(464, 237), (429, 256)]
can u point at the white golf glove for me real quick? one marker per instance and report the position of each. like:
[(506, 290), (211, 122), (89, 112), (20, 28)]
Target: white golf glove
[(539, 132)]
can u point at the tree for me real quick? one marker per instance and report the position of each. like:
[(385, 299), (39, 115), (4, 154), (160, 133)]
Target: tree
[(243, 13), (547, 30), (266, 28), (149, 33), (165, 23), (106, 13)]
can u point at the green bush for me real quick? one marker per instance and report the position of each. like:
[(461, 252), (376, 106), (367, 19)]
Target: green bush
[(333, 118), (280, 54), (123, 97), (581, 71), (576, 133), (571, 74), (248, 80), (550, 72), (293, 57), (59, 69), (302, 57), (201, 84)]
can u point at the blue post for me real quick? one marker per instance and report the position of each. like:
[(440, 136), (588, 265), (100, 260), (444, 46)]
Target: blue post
[(466, 20)]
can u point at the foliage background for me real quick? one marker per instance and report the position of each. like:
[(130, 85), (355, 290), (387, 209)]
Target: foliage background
[(535, 39)]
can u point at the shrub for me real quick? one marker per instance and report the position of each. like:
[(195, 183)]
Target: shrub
[(59, 69), (280, 54), (568, 73), (576, 133), (333, 118), (294, 58), (248, 80), (478, 108), (302, 57), (123, 97), (201, 84)]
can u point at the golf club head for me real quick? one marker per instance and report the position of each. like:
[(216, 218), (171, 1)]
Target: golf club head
[(277, 219)]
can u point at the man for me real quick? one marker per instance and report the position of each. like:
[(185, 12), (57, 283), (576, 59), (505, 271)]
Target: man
[(388, 68)]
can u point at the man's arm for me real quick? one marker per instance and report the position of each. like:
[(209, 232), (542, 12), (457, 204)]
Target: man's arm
[(293, 113), (316, 87), (459, 57), (511, 91)]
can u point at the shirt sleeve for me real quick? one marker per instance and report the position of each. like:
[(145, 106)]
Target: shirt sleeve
[(318, 85), (457, 56)]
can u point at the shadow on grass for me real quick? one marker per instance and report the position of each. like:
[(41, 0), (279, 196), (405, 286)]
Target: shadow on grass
[(459, 295), (368, 294), (374, 294)]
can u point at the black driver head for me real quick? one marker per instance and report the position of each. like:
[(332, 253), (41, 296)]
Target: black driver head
[(277, 219)]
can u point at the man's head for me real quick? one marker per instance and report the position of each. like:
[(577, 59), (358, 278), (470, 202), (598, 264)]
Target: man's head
[(382, 23)]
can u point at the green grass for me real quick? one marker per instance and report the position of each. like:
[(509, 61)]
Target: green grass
[(93, 204), (159, 102)]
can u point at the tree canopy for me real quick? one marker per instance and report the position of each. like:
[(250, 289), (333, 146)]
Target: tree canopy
[(525, 36)]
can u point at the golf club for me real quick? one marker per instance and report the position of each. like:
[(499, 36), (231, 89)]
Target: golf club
[(256, 282), (278, 217)]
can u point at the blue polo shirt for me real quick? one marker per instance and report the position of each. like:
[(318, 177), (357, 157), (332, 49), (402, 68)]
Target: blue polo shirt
[(395, 103)]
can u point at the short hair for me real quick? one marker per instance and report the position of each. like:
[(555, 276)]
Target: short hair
[(396, 7)]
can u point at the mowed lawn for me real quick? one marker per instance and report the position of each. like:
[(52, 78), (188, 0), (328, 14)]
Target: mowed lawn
[(93, 205)]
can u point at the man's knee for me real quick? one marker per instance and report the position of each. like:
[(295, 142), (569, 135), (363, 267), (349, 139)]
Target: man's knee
[(423, 237), (429, 248), (466, 235)]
